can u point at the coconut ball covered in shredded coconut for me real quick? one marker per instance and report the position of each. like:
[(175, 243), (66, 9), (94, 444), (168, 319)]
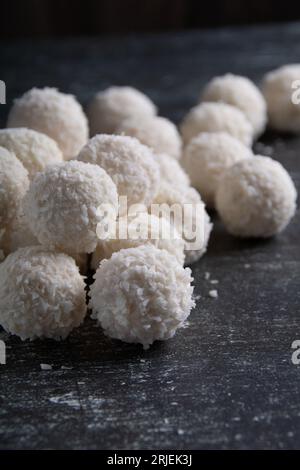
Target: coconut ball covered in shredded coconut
[(141, 295), (139, 230), (34, 149), (207, 157), (216, 117), (243, 94), (130, 164), (110, 107), (160, 134), (279, 87), (171, 172), (42, 294), (62, 206), (184, 207), (14, 183), (53, 113), (256, 198)]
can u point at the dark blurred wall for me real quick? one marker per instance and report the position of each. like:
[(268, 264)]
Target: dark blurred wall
[(98, 17)]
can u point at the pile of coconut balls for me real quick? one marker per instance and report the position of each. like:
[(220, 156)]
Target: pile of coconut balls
[(53, 179)]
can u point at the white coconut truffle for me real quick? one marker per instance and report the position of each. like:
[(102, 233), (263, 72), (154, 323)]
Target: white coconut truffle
[(243, 94), (140, 230), (34, 149), (207, 157), (55, 114), (171, 172), (281, 91), (130, 164), (110, 107), (41, 294), (160, 134), (14, 183), (217, 117), (256, 198), (185, 209), (62, 204), (141, 295)]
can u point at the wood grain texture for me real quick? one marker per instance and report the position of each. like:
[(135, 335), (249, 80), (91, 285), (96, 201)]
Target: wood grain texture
[(226, 381)]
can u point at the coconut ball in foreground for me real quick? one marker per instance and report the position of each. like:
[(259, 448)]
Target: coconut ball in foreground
[(34, 149), (207, 157), (140, 230), (130, 164), (278, 88), (110, 107), (55, 114), (141, 295), (185, 209), (256, 198), (160, 134), (42, 294), (217, 117), (171, 172), (14, 183), (62, 206), (243, 94)]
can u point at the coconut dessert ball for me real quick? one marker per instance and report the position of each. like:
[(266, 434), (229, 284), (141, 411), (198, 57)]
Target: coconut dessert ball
[(130, 164), (278, 90), (194, 227), (141, 295), (171, 172), (256, 198), (243, 94), (110, 107), (207, 156), (217, 117), (34, 149), (158, 133), (140, 230), (42, 294), (14, 183), (55, 114), (61, 206)]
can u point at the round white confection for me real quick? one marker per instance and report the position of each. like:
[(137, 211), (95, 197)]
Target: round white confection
[(42, 294), (256, 198), (141, 295)]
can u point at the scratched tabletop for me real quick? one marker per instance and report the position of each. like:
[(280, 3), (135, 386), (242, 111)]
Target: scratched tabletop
[(228, 380)]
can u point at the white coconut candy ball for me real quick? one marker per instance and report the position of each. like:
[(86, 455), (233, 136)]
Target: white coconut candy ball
[(160, 134), (171, 172), (55, 114), (207, 157), (243, 94), (194, 225), (42, 294), (256, 198), (14, 183), (140, 230), (62, 206), (34, 149), (141, 295), (217, 117), (130, 164), (280, 88), (110, 107)]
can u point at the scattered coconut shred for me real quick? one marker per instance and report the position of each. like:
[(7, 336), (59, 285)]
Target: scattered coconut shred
[(49, 207)]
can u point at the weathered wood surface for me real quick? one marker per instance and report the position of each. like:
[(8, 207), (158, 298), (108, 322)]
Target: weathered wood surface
[(227, 381)]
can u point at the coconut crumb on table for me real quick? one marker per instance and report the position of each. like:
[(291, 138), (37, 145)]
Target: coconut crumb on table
[(214, 281), (206, 275), (46, 366), (213, 294)]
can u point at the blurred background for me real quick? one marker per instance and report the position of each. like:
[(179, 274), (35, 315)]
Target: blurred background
[(44, 18)]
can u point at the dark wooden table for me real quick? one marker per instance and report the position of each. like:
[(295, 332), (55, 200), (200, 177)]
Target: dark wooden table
[(227, 381)]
